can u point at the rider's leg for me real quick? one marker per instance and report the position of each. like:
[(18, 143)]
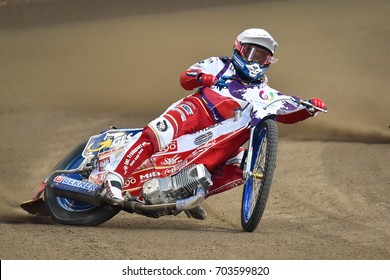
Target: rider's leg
[(112, 188), (185, 117), (141, 150), (190, 116)]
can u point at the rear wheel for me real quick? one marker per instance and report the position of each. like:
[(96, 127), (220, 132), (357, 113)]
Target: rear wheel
[(258, 186), (70, 212)]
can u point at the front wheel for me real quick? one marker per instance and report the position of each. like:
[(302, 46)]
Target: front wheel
[(258, 185), (70, 212)]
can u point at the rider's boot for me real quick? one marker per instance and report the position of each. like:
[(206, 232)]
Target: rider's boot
[(198, 213), (112, 189)]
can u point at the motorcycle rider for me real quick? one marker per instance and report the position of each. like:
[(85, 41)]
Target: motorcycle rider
[(213, 102)]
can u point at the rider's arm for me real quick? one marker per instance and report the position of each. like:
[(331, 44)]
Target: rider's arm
[(208, 68), (295, 116), (301, 113), (189, 79)]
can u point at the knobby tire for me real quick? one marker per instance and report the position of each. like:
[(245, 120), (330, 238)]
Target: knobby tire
[(91, 216), (266, 133)]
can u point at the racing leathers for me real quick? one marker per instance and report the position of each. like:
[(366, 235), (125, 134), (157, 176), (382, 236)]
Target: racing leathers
[(205, 107)]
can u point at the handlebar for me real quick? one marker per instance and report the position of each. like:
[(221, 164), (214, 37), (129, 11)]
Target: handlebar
[(311, 106)]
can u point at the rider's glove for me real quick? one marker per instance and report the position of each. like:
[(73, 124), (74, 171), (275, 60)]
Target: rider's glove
[(207, 80), (317, 103)]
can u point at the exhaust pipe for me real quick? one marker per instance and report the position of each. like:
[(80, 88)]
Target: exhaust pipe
[(192, 201), (180, 205)]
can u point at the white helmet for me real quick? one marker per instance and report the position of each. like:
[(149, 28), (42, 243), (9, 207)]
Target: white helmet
[(254, 51), (257, 36)]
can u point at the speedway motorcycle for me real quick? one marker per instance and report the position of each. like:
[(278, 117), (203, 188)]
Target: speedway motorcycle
[(170, 182)]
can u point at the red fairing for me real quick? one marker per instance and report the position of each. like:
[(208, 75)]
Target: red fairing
[(225, 177), (226, 148), (189, 79), (294, 117)]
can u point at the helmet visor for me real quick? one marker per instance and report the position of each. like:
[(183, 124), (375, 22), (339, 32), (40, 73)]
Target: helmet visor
[(253, 53)]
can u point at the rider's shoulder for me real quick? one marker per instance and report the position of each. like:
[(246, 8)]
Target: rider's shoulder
[(224, 59), (214, 60)]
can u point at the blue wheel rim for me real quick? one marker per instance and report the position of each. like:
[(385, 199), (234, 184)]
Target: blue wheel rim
[(67, 203), (250, 196)]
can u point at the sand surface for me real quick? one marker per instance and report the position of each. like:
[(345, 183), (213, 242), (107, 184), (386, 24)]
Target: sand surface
[(69, 69)]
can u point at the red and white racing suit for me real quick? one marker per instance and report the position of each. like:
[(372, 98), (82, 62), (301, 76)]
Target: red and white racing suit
[(197, 111)]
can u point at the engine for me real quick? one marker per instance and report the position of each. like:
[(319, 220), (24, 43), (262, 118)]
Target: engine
[(179, 186)]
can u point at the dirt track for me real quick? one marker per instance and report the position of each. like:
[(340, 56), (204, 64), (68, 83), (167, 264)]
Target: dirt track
[(69, 70)]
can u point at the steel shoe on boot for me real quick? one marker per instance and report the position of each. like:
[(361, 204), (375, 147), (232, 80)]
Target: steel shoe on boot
[(198, 213), (112, 192)]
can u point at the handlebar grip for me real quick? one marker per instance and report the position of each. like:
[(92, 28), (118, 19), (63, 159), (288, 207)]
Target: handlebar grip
[(308, 104)]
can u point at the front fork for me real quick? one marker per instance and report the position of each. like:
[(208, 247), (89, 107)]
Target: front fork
[(247, 173)]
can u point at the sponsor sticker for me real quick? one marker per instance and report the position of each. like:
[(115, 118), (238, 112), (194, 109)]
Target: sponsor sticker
[(187, 108), (192, 73), (266, 95), (171, 147), (162, 126), (150, 175), (171, 160), (75, 183), (58, 179), (103, 163), (203, 138)]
